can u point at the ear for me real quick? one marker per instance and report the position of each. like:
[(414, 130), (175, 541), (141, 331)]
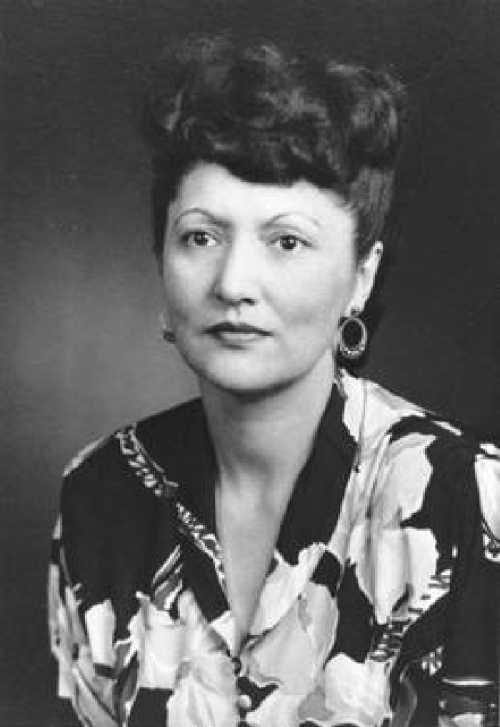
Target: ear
[(365, 278)]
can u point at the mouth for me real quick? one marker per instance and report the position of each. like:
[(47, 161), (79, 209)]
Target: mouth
[(236, 332)]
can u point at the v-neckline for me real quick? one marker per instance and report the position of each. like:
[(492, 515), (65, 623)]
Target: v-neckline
[(256, 569), (306, 527)]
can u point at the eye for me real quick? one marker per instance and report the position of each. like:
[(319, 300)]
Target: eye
[(289, 243), (198, 238)]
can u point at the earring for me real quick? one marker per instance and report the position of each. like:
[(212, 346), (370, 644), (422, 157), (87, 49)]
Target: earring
[(167, 333), (353, 336)]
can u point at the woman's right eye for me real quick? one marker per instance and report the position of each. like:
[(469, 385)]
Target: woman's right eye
[(198, 238)]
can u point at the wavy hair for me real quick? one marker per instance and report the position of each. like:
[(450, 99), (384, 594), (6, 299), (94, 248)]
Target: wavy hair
[(273, 118)]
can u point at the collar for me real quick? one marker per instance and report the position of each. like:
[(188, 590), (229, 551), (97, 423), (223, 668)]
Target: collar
[(179, 441)]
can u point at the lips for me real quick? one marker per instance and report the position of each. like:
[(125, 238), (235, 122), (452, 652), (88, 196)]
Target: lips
[(237, 328), (237, 335)]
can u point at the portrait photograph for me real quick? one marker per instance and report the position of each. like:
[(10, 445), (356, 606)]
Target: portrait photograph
[(250, 262)]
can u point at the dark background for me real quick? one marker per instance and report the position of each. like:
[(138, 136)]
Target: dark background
[(80, 294)]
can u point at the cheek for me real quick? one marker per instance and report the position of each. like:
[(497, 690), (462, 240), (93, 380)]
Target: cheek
[(320, 303), (179, 288)]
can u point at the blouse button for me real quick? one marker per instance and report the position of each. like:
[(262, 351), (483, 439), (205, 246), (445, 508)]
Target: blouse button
[(244, 702)]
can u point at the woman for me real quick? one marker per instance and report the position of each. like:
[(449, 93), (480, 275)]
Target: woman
[(297, 546)]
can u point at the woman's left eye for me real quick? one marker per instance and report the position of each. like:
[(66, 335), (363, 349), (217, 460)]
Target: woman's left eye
[(289, 243)]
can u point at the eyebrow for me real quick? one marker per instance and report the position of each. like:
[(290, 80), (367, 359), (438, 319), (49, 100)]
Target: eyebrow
[(214, 219), (221, 222), (293, 213)]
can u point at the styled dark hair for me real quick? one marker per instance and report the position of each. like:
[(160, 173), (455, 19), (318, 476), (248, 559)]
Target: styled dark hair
[(272, 118)]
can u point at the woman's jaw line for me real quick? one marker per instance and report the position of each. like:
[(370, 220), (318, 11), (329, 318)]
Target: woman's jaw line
[(314, 383)]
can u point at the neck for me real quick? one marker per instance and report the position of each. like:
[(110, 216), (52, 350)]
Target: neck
[(262, 442)]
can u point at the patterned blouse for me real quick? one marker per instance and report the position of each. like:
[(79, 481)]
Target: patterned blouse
[(387, 567)]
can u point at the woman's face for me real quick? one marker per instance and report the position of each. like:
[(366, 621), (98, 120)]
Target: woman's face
[(257, 277)]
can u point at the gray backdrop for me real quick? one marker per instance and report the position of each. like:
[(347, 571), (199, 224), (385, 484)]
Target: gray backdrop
[(80, 293)]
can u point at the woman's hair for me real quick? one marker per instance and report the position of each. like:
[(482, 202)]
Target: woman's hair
[(272, 118)]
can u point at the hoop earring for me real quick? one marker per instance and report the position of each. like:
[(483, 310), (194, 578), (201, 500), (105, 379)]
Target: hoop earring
[(166, 333), (353, 337)]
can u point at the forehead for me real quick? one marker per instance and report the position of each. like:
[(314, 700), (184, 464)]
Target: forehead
[(215, 189)]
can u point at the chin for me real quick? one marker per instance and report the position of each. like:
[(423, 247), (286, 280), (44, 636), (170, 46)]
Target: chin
[(246, 387), (241, 381), (245, 376)]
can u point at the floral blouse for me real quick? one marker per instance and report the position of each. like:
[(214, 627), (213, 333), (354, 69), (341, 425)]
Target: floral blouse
[(387, 566)]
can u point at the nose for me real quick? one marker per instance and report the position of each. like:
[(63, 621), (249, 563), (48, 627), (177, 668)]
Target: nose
[(237, 273)]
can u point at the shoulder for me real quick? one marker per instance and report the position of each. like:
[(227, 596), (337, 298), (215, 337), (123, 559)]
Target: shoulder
[(427, 461), (133, 458), (380, 414), (117, 505)]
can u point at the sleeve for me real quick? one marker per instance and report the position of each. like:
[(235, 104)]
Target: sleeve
[(471, 667), (90, 692), (97, 578), (426, 559)]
